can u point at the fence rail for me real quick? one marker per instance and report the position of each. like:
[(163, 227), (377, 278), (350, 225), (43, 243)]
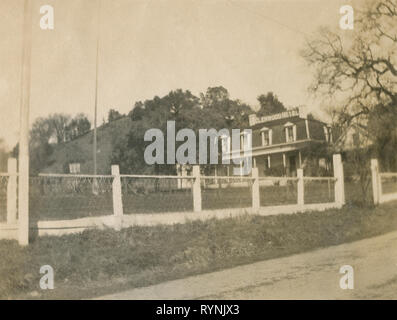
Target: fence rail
[(8, 193), (114, 198), (384, 184), (4, 178), (167, 193), (319, 178), (388, 174), (279, 178), (68, 175)]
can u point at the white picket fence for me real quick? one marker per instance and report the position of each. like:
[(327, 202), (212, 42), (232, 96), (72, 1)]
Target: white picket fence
[(117, 219), (9, 229), (378, 190)]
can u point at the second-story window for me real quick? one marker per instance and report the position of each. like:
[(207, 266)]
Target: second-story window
[(265, 138), (245, 140), (290, 132), (266, 135)]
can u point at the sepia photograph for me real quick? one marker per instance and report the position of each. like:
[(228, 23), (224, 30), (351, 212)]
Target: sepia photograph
[(189, 150)]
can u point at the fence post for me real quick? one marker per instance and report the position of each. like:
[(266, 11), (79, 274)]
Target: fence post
[(376, 191), (255, 189), (301, 187), (117, 200), (339, 176), (23, 198), (196, 189), (12, 191)]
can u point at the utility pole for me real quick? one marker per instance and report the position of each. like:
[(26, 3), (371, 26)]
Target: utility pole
[(23, 188), (96, 86), (94, 145)]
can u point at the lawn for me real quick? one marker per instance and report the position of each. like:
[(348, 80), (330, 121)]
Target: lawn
[(103, 261)]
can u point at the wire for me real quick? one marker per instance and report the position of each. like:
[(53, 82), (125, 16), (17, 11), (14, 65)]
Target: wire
[(268, 18)]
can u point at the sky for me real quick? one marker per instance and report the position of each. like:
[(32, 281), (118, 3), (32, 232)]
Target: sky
[(148, 48)]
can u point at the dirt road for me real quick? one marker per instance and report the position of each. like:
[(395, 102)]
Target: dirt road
[(311, 275)]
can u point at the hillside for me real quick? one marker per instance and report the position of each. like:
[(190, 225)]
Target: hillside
[(80, 149)]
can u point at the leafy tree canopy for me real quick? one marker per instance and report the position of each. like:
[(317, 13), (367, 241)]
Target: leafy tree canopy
[(269, 104), (47, 131), (357, 71), (114, 115), (214, 109)]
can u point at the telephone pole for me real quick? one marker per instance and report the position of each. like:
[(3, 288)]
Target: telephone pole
[(23, 180), (96, 89)]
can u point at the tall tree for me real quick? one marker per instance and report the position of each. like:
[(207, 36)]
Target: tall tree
[(59, 123), (214, 109), (382, 130), (270, 104), (40, 148), (214, 96), (178, 105), (78, 126), (357, 70), (41, 132), (114, 115), (46, 132), (220, 111)]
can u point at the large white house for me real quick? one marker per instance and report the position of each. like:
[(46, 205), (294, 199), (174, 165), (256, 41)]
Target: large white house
[(280, 142)]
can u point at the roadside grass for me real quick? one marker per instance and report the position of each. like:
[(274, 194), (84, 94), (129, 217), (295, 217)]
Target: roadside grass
[(98, 262)]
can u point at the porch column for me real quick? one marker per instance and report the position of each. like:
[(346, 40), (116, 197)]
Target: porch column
[(300, 160), (284, 163), (307, 129)]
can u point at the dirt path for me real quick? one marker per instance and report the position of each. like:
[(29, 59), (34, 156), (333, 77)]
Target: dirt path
[(312, 275)]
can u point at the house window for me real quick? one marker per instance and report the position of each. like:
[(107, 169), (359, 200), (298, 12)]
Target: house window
[(290, 132), (266, 137), (74, 168), (245, 141)]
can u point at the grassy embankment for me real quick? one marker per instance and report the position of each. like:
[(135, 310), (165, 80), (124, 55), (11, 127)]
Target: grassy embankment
[(99, 262)]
